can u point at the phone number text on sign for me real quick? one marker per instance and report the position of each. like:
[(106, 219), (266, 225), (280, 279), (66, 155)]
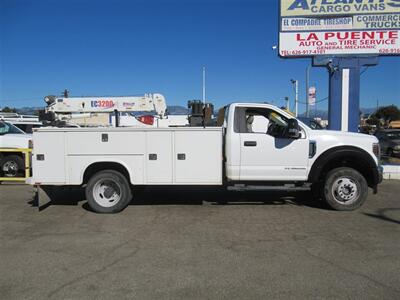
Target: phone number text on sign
[(340, 42)]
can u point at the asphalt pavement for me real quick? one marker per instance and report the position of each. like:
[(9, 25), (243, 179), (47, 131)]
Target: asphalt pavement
[(182, 244)]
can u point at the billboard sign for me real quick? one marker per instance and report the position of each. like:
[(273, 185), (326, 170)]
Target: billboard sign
[(339, 27), (340, 42), (299, 8)]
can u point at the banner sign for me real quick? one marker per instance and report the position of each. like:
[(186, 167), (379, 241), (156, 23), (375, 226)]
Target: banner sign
[(339, 42), (339, 27), (301, 8), (383, 21), (312, 94), (307, 24)]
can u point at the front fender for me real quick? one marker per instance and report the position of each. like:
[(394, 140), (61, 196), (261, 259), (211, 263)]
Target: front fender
[(353, 156)]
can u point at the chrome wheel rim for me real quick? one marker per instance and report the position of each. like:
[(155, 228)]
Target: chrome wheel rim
[(10, 169), (107, 192), (345, 190)]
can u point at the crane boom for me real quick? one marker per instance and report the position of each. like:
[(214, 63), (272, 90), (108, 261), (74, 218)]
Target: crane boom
[(71, 105)]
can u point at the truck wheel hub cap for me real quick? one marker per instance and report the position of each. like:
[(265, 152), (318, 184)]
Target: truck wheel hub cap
[(10, 169), (345, 190), (107, 193)]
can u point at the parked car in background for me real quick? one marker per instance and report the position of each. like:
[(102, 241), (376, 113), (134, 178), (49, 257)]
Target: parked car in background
[(12, 164), (389, 140)]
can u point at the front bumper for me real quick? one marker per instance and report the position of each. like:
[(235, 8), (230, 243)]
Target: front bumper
[(377, 178), (396, 153)]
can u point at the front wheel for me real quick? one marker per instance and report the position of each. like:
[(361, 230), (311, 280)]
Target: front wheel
[(345, 189), (108, 191)]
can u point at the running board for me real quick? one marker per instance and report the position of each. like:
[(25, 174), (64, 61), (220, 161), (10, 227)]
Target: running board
[(286, 187)]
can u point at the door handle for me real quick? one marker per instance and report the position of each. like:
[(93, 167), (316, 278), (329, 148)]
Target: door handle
[(181, 156), (250, 143)]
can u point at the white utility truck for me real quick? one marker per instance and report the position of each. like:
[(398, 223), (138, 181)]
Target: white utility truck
[(12, 164), (276, 153)]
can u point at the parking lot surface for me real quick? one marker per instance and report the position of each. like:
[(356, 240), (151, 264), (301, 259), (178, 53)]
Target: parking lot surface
[(181, 244)]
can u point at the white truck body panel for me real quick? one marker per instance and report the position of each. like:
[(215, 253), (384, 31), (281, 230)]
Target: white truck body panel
[(68, 152), (77, 164)]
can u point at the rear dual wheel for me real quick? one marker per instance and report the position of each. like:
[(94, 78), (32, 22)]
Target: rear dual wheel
[(108, 191)]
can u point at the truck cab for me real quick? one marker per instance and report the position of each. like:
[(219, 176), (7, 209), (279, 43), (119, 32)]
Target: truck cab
[(267, 145)]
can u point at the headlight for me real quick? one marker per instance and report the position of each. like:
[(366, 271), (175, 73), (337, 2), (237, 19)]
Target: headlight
[(376, 149), (397, 147)]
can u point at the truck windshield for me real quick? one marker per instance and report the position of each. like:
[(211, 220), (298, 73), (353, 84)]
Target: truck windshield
[(8, 128)]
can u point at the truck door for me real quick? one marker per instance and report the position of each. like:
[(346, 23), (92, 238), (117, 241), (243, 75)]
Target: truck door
[(266, 154)]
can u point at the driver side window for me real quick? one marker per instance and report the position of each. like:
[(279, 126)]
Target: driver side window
[(256, 123), (260, 121)]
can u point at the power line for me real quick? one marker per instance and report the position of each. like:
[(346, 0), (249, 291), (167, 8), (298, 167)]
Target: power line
[(326, 98), (319, 101)]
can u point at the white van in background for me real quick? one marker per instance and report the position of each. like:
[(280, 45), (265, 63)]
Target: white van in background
[(24, 122)]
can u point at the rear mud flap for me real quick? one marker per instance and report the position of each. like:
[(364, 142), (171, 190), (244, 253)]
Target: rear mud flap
[(43, 197)]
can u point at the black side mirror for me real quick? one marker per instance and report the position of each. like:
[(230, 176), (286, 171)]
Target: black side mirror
[(293, 129)]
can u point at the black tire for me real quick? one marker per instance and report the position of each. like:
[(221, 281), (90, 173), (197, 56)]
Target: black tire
[(8, 164), (390, 152), (345, 189), (108, 191)]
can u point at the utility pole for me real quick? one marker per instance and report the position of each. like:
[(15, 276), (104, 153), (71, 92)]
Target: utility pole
[(287, 103), (307, 87), (204, 85), (296, 98)]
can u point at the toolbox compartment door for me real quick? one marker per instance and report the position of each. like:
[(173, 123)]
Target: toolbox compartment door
[(48, 161), (198, 157), (159, 157)]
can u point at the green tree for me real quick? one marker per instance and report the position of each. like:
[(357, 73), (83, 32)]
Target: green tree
[(387, 113), (373, 120), (9, 110)]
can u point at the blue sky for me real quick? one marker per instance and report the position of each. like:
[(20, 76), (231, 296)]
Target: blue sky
[(135, 47)]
